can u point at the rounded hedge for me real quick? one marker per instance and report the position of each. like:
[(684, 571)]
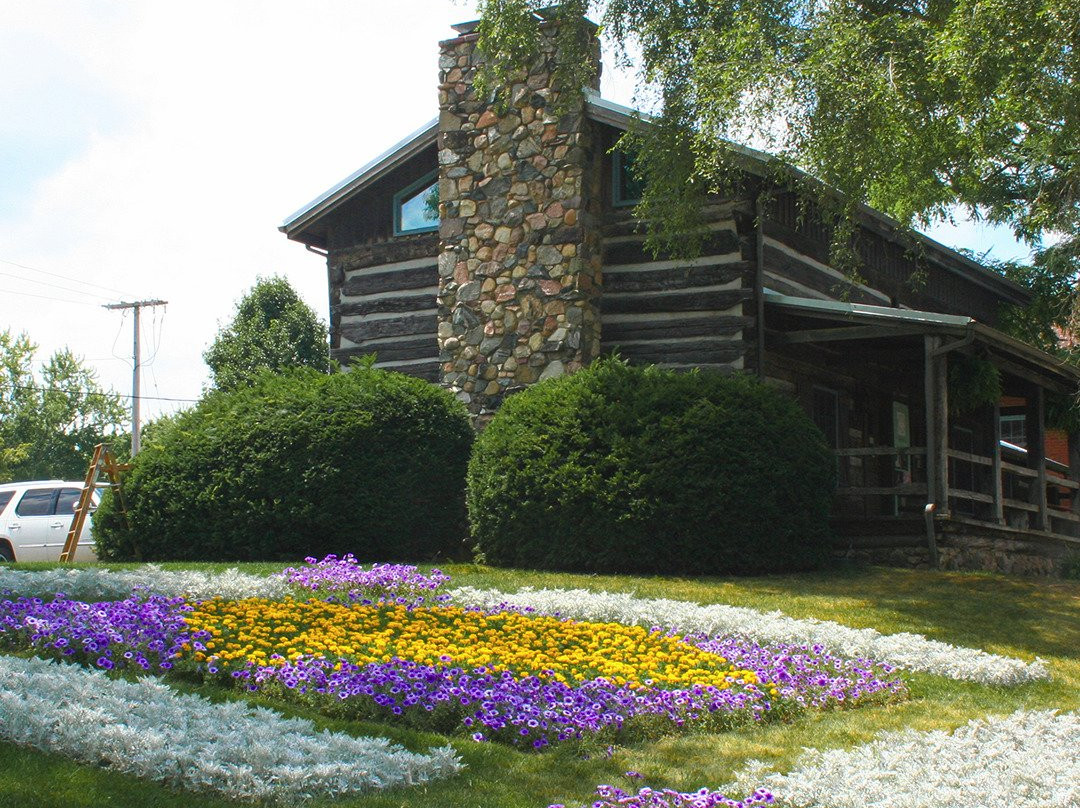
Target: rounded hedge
[(300, 464), (641, 470)]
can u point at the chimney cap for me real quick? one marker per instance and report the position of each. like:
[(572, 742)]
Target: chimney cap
[(465, 28), (545, 14)]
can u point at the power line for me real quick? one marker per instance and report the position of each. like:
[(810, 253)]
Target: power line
[(88, 393), (53, 285), (46, 297), (63, 277)]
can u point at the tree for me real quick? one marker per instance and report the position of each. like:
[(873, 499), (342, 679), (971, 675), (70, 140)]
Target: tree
[(915, 107), (273, 330), (51, 421)]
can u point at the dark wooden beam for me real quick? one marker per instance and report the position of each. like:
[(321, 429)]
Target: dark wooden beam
[(851, 332), (390, 327), (397, 305), (665, 328), (1036, 436), (1038, 379), (660, 280), (691, 301), (999, 506), (369, 283)]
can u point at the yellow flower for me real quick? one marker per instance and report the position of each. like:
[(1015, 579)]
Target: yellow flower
[(254, 629)]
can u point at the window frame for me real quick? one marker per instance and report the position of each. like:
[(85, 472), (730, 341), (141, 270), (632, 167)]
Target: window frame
[(618, 199), (1014, 418), (834, 400), (60, 498), (432, 177), (54, 492)]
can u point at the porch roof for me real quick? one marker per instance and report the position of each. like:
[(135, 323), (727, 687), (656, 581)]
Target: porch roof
[(857, 321)]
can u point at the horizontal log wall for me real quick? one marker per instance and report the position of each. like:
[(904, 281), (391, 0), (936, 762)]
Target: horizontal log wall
[(797, 246), (792, 268), (677, 313), (383, 302)]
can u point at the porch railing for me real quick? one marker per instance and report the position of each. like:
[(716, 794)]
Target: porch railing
[(990, 489)]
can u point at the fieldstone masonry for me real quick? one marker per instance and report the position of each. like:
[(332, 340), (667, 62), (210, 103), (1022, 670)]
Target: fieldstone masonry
[(520, 262)]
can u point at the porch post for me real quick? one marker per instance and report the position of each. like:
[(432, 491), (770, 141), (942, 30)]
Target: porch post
[(937, 425), (941, 420), (1036, 422), (929, 344), (995, 456), (1074, 469)]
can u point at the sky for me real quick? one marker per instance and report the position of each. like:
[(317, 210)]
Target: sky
[(149, 150)]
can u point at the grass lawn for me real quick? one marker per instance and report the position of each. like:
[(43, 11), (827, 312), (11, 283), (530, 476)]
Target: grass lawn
[(1013, 616)]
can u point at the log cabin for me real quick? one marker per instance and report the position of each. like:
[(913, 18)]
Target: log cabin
[(496, 247)]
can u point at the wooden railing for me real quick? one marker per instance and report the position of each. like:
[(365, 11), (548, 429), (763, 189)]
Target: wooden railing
[(993, 494)]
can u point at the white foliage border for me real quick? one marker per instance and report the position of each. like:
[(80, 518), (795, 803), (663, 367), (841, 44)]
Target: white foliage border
[(145, 729), (1025, 760), (912, 652), (91, 583)]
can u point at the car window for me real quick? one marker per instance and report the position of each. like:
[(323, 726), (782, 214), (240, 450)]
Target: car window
[(68, 499), (5, 498), (36, 502)]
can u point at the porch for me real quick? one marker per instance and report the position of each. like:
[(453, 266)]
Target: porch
[(926, 476)]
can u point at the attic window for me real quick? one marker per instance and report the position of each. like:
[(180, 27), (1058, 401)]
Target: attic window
[(416, 207), (626, 187)]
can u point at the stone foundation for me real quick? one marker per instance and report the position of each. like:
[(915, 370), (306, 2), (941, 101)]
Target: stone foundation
[(963, 546)]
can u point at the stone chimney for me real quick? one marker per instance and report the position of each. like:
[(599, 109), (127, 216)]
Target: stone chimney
[(519, 191)]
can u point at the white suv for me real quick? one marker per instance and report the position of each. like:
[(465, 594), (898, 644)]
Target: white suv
[(35, 518)]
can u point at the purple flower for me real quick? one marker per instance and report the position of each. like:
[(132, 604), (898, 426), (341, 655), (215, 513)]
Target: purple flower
[(344, 579), (107, 634)]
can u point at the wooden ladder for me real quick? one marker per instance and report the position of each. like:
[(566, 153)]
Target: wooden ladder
[(103, 461)]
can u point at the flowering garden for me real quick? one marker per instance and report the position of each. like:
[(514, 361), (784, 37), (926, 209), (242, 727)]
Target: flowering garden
[(374, 683)]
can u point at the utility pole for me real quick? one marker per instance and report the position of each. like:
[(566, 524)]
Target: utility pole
[(135, 395)]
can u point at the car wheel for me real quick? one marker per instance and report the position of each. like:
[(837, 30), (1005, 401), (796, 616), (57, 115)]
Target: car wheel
[(6, 556)]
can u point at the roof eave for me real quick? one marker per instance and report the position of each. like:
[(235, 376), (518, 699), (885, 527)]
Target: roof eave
[(396, 155)]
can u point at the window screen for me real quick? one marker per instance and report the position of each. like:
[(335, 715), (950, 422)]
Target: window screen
[(36, 502)]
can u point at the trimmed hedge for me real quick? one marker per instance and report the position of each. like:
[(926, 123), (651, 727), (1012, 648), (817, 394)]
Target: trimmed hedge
[(641, 470), (366, 462)]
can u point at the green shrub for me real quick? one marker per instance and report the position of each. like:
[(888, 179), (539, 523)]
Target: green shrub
[(629, 469), (368, 462)]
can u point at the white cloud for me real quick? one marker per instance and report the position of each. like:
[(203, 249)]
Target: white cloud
[(234, 115)]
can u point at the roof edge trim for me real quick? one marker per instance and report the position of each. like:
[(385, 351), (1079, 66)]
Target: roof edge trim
[(381, 165)]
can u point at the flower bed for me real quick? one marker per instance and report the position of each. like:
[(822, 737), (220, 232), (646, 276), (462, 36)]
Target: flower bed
[(145, 729), (904, 650), (372, 649)]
